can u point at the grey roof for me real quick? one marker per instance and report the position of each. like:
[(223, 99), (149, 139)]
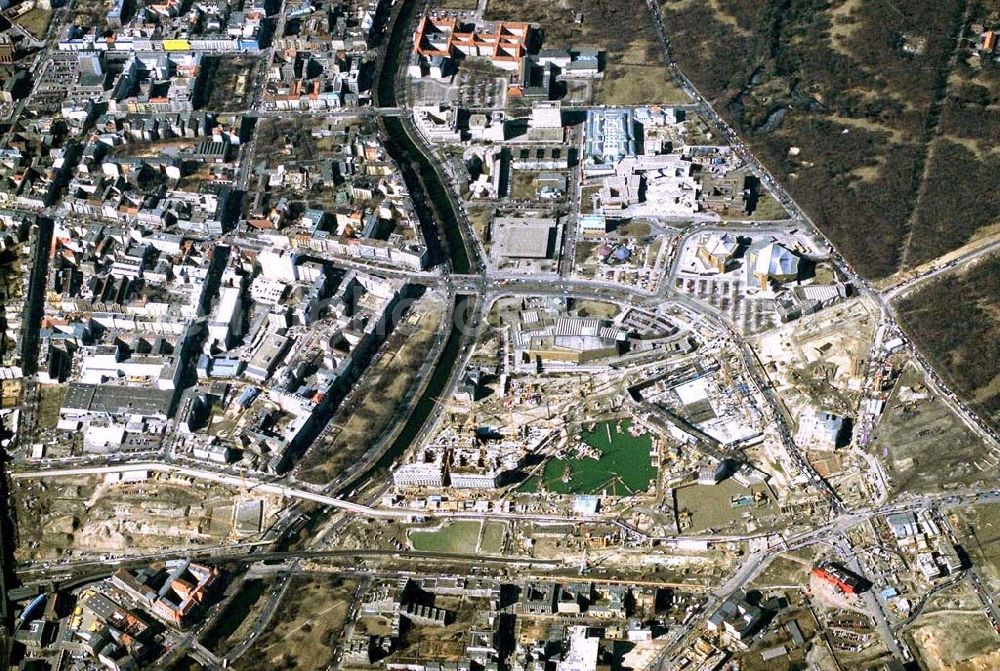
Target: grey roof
[(525, 239), (117, 400), (610, 134)]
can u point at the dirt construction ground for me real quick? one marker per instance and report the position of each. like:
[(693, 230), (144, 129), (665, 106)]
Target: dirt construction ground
[(927, 445)]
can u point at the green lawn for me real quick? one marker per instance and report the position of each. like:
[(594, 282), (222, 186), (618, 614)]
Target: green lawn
[(492, 538), (452, 537)]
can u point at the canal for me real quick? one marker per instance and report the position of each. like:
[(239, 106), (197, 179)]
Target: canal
[(435, 386), (396, 48), (422, 411), (432, 204), (430, 195)]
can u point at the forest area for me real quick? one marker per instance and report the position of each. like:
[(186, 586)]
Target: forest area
[(881, 120), (862, 108), (955, 320)]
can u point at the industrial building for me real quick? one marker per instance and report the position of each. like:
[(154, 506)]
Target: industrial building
[(593, 225), (525, 238), (172, 591), (437, 123), (84, 400)]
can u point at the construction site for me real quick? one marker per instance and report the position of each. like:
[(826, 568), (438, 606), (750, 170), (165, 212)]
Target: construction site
[(916, 422), (134, 513), (819, 361)]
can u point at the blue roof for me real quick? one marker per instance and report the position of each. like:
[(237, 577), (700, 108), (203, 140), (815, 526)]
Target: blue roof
[(248, 394), (225, 367)]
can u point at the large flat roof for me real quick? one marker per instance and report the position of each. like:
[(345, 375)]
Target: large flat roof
[(525, 238), (117, 400)]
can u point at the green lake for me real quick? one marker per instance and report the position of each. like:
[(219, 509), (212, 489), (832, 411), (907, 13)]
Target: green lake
[(623, 469)]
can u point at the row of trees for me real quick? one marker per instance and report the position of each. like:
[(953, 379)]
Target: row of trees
[(959, 198)]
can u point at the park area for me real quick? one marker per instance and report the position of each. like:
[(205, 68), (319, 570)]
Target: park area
[(235, 620), (360, 422), (306, 627)]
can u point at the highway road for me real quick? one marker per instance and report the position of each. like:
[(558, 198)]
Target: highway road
[(839, 524), (274, 488), (94, 569)]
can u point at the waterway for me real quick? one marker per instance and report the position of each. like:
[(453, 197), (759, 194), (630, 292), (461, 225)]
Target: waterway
[(435, 386), (396, 48), (422, 179), (411, 429), (433, 205)]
